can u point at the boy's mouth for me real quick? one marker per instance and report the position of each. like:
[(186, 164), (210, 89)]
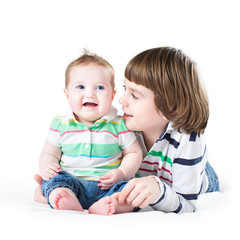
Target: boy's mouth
[(89, 104), (127, 116)]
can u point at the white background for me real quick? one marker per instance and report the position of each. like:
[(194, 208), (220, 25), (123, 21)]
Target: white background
[(40, 38)]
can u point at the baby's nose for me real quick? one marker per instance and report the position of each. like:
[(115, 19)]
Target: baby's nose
[(89, 93)]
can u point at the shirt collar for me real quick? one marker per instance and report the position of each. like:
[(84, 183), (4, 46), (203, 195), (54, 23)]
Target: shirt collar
[(70, 116), (112, 113), (168, 129)]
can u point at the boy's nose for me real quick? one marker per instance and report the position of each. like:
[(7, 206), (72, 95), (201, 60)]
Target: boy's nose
[(122, 100)]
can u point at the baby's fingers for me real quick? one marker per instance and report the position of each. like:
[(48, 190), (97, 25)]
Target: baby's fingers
[(104, 186), (55, 167), (48, 175), (106, 177), (50, 171), (106, 181)]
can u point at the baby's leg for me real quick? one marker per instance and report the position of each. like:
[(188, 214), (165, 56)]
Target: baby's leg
[(38, 196), (64, 199), (109, 206)]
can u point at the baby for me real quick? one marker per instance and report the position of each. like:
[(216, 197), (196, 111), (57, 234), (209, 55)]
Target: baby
[(89, 154)]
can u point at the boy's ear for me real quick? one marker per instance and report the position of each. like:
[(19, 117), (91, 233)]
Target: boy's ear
[(165, 118), (66, 92), (114, 93)]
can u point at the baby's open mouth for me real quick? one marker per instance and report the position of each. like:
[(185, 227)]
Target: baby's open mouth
[(89, 104)]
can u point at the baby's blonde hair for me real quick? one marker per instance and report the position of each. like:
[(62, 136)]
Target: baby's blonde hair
[(90, 58)]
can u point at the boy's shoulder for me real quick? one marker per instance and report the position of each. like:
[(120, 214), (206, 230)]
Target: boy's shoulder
[(182, 137)]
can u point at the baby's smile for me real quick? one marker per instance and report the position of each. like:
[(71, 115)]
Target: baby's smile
[(90, 104)]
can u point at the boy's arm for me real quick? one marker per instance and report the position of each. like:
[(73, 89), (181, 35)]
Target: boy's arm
[(132, 158), (181, 196), (49, 161)]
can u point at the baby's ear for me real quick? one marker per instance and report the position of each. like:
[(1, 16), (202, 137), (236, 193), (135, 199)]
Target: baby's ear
[(114, 93), (66, 92)]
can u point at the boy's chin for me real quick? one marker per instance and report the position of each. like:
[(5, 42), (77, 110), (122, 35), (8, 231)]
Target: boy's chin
[(130, 125)]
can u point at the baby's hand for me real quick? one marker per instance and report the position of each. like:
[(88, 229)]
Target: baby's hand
[(51, 170), (111, 178)]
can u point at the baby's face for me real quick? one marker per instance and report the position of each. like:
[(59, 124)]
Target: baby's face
[(89, 92)]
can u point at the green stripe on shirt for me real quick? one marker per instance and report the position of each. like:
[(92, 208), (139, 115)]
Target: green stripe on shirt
[(162, 157), (96, 172), (87, 149)]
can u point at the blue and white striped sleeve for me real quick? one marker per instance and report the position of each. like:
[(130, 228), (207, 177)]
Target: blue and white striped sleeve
[(188, 168)]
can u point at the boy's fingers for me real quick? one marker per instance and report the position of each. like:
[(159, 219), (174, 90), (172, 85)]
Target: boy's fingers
[(126, 191), (145, 203)]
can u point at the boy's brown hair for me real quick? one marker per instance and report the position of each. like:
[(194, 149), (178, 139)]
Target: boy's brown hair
[(90, 58), (173, 78)]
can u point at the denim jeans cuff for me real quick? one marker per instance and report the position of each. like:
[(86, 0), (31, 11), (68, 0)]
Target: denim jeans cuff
[(48, 187)]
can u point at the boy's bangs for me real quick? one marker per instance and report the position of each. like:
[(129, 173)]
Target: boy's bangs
[(138, 72)]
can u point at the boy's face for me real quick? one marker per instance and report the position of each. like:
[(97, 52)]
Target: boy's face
[(89, 92), (139, 109)]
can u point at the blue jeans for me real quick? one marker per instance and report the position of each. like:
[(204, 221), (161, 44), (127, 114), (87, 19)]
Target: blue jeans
[(87, 192), (213, 183)]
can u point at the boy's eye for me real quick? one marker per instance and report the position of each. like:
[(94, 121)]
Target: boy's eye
[(134, 96), (80, 87), (100, 87)]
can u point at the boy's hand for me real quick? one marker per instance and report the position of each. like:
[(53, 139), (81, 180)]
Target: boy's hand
[(139, 192), (111, 178), (51, 170)]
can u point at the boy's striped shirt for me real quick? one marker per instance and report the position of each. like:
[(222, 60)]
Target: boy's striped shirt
[(178, 161)]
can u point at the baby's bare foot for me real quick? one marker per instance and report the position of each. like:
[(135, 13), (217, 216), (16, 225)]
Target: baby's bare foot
[(64, 199), (104, 206)]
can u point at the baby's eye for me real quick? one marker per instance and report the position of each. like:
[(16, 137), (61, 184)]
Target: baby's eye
[(80, 87), (100, 87)]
